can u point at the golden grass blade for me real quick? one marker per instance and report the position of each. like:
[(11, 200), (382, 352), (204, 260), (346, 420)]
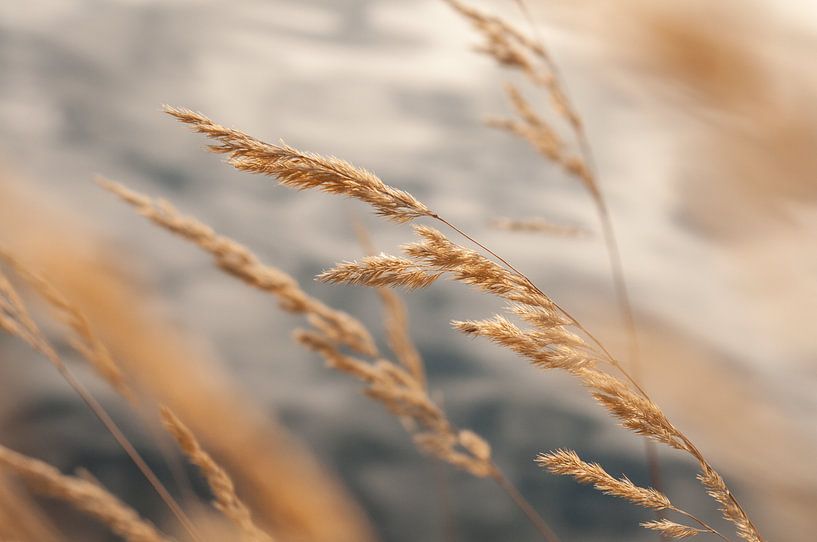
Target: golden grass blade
[(399, 392), (21, 518), (278, 474), (85, 341), (15, 319), (83, 495), (301, 170), (545, 141), (227, 501), (635, 410), (240, 262), (380, 271), (568, 463), (671, 529), (395, 319)]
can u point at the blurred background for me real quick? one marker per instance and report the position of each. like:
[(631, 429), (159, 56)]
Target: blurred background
[(702, 122)]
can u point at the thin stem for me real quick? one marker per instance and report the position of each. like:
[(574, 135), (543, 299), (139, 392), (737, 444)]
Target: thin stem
[(103, 416), (611, 246), (523, 504), (696, 453), (700, 522)]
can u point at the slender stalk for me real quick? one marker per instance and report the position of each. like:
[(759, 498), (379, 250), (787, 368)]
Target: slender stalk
[(103, 416), (611, 248), (702, 523)]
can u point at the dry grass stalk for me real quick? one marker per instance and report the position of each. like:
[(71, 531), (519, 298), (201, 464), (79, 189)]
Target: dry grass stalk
[(408, 399), (396, 323), (84, 340), (542, 137), (400, 390), (301, 170), (549, 345), (512, 48), (83, 495), (380, 271), (568, 463), (240, 262), (538, 225), (226, 499), (279, 476), (21, 518), (15, 320), (670, 529), (395, 318), (439, 255)]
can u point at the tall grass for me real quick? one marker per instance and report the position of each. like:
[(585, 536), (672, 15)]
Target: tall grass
[(534, 326)]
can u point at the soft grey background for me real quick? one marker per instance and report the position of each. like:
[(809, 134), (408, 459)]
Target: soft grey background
[(389, 85)]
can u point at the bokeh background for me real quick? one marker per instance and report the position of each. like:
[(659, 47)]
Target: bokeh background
[(701, 118)]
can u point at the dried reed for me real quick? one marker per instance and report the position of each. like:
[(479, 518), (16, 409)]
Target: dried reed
[(304, 170), (547, 345), (279, 476), (568, 463), (15, 320), (84, 340), (240, 262), (85, 496), (226, 499), (542, 70), (401, 390)]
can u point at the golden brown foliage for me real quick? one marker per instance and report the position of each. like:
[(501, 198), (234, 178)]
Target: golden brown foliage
[(627, 402), (279, 476)]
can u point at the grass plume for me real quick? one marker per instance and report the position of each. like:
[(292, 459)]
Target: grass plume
[(226, 499), (85, 496), (626, 401)]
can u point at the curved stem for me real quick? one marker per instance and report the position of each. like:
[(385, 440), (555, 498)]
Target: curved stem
[(106, 420), (700, 522)]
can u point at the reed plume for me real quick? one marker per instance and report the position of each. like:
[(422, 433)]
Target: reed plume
[(400, 389), (84, 339), (83, 495), (436, 254), (226, 498), (16, 320), (541, 69), (278, 474), (240, 262), (302, 170), (568, 463)]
